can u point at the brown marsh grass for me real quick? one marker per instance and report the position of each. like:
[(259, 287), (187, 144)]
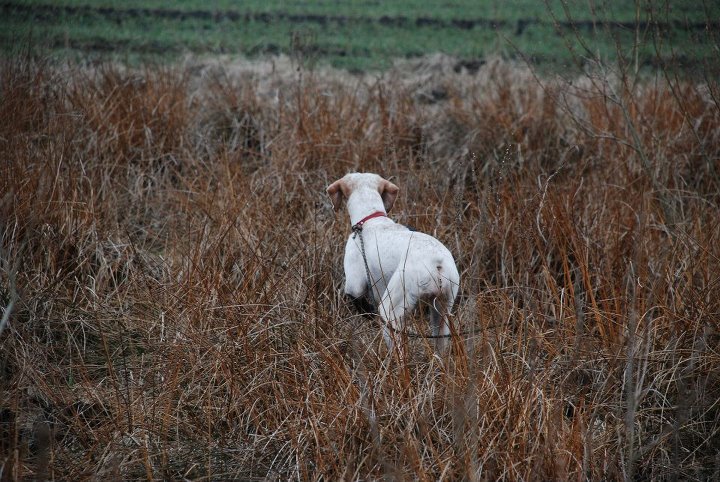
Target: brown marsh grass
[(171, 277)]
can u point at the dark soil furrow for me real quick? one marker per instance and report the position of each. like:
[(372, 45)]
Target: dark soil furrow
[(48, 11)]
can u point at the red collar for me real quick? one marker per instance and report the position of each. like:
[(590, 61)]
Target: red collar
[(360, 223)]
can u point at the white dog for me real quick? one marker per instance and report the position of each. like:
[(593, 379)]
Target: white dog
[(399, 266)]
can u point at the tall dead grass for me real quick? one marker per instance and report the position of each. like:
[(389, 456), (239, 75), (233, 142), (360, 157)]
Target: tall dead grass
[(172, 276)]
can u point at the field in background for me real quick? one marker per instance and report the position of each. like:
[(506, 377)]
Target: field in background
[(171, 274), (363, 36)]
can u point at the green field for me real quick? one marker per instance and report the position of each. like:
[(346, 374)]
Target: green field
[(368, 35)]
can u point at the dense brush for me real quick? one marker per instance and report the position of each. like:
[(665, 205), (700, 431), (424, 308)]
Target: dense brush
[(172, 273)]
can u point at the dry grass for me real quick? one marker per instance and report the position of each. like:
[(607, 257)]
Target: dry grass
[(172, 272)]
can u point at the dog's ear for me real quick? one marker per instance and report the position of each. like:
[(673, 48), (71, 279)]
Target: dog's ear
[(335, 192), (388, 192)]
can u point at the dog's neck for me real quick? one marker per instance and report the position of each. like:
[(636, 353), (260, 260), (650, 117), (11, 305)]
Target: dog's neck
[(363, 203)]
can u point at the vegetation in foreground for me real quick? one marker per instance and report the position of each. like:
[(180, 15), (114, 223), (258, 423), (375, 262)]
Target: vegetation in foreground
[(171, 275), (362, 36)]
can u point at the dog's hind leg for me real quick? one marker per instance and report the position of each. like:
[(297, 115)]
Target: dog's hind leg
[(439, 323), (448, 284), (395, 303)]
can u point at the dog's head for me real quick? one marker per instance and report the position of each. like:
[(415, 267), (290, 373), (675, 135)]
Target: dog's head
[(355, 182)]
